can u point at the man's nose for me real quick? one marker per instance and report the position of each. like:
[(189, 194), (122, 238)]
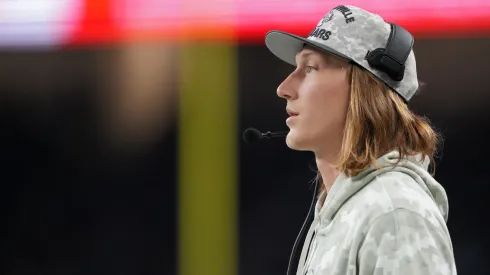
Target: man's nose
[(287, 89)]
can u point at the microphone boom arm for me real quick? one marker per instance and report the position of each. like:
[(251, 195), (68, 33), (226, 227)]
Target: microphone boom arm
[(270, 134)]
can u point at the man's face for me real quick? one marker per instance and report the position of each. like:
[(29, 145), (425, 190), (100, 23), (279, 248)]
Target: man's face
[(317, 95)]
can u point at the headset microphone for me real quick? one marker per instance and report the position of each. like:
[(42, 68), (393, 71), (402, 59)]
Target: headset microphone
[(252, 135)]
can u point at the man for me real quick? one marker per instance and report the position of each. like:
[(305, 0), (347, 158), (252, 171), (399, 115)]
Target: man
[(379, 211)]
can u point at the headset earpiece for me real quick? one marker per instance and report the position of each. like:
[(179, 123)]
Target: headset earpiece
[(391, 59)]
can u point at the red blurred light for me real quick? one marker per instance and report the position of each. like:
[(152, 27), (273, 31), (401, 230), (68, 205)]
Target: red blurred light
[(247, 21)]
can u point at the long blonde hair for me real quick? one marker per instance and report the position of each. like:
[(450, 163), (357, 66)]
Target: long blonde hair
[(379, 121)]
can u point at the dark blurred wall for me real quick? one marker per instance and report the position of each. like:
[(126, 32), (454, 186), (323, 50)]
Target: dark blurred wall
[(72, 204)]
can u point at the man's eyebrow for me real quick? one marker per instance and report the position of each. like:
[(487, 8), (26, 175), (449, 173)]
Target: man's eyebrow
[(303, 55)]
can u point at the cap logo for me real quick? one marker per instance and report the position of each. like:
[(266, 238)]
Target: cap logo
[(320, 31), (325, 19), (346, 12)]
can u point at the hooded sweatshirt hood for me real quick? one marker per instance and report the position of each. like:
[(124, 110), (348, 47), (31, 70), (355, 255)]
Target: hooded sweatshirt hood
[(412, 166), (390, 217)]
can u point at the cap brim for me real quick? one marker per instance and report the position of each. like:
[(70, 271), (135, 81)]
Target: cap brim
[(285, 46)]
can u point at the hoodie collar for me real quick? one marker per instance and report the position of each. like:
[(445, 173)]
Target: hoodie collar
[(344, 187)]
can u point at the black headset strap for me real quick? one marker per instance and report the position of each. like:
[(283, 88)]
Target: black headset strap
[(399, 44)]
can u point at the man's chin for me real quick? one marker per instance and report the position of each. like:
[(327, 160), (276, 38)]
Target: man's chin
[(296, 143)]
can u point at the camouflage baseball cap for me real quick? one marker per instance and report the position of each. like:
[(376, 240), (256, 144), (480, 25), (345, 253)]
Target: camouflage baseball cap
[(351, 33)]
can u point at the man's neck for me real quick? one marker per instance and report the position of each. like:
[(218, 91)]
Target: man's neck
[(327, 170)]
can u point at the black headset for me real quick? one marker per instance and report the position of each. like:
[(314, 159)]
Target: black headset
[(391, 59)]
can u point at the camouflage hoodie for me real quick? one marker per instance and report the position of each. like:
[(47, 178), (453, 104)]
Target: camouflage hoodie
[(385, 221)]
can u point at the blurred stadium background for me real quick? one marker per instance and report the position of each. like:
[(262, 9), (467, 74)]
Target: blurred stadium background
[(121, 124)]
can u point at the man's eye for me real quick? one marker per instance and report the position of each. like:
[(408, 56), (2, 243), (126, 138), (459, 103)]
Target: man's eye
[(309, 69)]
